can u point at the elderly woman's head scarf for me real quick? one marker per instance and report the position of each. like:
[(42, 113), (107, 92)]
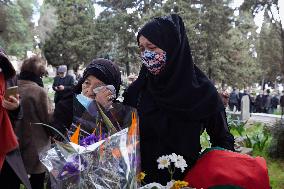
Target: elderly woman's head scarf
[(181, 89), (104, 70)]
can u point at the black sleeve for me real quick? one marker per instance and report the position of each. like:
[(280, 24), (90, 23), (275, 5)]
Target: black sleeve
[(54, 84), (63, 114), (132, 93), (217, 128), (70, 85)]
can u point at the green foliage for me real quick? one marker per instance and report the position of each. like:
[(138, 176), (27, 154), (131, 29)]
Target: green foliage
[(260, 141), (205, 141), (272, 13), (276, 173), (269, 50), (73, 41), (236, 125), (16, 26), (121, 45), (215, 35), (256, 136), (275, 167)]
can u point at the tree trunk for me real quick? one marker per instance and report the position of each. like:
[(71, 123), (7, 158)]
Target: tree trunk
[(2, 20), (146, 6), (209, 59), (282, 44), (262, 84), (127, 68), (223, 84)]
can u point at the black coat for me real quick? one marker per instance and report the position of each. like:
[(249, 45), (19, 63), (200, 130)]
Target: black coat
[(162, 134), (68, 83)]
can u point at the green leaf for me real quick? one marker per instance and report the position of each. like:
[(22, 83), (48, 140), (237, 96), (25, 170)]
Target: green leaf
[(106, 120)]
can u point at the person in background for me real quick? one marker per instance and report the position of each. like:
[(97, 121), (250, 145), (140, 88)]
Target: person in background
[(131, 78), (259, 103), (225, 97), (11, 163), (241, 94), (253, 96), (174, 99), (62, 84), (274, 103), (282, 103), (234, 100), (37, 108), (267, 102)]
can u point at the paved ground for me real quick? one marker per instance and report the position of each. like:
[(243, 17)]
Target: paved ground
[(269, 119)]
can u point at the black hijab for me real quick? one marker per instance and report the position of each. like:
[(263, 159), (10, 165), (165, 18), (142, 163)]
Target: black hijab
[(181, 89), (103, 69)]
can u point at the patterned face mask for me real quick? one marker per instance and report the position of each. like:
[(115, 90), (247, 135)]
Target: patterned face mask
[(154, 62)]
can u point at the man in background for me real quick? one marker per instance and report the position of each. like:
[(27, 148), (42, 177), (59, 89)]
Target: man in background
[(282, 103), (62, 84), (234, 100)]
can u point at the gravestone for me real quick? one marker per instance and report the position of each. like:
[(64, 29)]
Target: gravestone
[(245, 105)]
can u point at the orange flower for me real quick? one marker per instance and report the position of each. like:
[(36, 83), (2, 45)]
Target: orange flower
[(133, 128), (75, 137)]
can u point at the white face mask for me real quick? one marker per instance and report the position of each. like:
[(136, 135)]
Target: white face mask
[(0, 70)]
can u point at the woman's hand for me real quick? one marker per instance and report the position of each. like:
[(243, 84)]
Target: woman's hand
[(12, 103), (104, 97)]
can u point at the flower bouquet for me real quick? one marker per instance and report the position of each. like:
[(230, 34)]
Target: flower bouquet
[(104, 161)]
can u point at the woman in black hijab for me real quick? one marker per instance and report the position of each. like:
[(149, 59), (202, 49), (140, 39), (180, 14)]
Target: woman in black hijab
[(175, 100)]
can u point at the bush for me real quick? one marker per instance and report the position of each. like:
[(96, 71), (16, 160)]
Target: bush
[(276, 148)]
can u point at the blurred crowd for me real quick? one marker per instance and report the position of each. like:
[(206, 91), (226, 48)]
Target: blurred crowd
[(266, 101)]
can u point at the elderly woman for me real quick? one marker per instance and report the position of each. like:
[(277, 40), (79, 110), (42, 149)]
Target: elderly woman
[(90, 90), (36, 109), (174, 99)]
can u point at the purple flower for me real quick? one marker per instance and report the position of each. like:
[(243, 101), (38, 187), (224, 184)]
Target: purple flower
[(73, 167), (70, 168), (91, 139)]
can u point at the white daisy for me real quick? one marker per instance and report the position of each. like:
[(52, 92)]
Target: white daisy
[(173, 157), (181, 163), (178, 161), (164, 162)]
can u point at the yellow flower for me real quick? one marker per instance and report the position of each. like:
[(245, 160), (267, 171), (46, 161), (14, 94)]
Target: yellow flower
[(141, 176), (179, 184)]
